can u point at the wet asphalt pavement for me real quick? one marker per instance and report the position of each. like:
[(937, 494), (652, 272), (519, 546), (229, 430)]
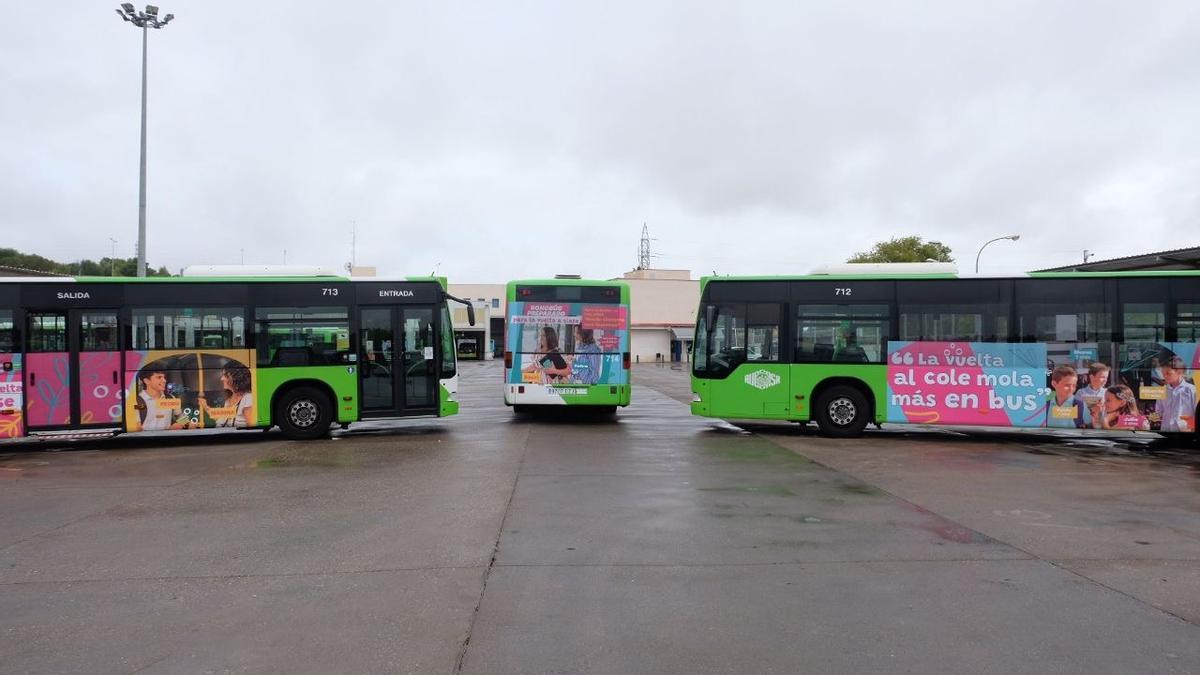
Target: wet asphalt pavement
[(655, 543)]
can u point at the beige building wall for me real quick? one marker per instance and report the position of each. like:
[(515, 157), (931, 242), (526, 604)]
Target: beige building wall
[(492, 294), (662, 303), (489, 305)]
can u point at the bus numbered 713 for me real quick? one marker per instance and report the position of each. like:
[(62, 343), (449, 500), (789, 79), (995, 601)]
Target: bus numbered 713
[(1084, 351), (99, 356), (566, 344)]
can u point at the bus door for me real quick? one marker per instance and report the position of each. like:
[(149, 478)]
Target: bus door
[(746, 342), (397, 365), (73, 369)]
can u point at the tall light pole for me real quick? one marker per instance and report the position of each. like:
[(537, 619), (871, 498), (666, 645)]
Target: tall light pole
[(1012, 237), (112, 259), (144, 20)]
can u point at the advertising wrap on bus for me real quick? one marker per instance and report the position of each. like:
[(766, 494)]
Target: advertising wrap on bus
[(12, 397), (1025, 385), (568, 343), (188, 389)]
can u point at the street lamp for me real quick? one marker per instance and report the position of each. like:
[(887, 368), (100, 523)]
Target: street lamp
[(144, 20), (1013, 237)]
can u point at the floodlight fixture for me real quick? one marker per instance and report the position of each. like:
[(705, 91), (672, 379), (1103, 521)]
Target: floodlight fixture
[(152, 10)]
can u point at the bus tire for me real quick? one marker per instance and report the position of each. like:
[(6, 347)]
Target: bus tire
[(304, 413), (842, 412)]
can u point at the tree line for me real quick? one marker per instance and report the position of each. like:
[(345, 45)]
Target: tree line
[(904, 249), (118, 267)]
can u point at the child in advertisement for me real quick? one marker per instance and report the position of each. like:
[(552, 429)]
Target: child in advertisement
[(1119, 411), (1177, 411), (1064, 409), (1092, 395)]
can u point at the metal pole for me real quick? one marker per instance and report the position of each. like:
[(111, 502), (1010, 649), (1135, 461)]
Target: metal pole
[(141, 261), (1013, 237)]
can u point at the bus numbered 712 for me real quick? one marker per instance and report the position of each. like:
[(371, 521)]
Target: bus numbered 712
[(1084, 351), (99, 356), (566, 344)]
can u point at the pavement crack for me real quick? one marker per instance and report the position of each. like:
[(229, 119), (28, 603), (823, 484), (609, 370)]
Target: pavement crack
[(466, 644), (227, 577)]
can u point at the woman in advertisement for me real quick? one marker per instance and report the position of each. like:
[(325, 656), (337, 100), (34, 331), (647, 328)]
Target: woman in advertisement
[(548, 361), (238, 409), (585, 367)]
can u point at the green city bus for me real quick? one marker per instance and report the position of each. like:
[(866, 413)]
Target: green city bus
[(1108, 351), (103, 355), (566, 343)]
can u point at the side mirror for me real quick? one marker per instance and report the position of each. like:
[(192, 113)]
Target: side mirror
[(470, 308)]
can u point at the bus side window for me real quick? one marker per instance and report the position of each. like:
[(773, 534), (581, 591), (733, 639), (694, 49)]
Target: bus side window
[(842, 333), (318, 335), (762, 341)]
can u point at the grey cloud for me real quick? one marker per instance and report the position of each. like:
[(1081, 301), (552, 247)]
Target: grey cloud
[(527, 139)]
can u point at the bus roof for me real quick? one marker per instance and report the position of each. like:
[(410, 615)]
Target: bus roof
[(903, 277), (441, 281), (565, 282)]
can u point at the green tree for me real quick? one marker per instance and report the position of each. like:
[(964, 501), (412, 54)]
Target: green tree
[(121, 267), (904, 249)]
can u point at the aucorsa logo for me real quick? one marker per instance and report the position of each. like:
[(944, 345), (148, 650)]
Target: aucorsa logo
[(762, 379)]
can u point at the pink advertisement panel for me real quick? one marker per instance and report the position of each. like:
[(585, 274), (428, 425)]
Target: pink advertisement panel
[(12, 397), (100, 387), (48, 376)]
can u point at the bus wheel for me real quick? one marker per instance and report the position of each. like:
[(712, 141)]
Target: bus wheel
[(304, 413), (842, 412)]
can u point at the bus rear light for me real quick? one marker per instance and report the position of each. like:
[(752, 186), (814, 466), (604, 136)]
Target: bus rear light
[(521, 389), (507, 360), (625, 360)]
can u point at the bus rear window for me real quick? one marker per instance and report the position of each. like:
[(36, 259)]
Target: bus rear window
[(592, 294)]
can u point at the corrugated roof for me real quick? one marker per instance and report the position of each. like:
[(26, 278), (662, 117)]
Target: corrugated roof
[(1179, 258)]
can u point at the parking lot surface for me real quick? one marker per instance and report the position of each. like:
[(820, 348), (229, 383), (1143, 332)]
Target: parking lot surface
[(652, 542)]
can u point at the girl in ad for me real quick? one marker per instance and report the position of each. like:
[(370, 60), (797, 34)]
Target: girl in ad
[(1119, 410), (238, 408)]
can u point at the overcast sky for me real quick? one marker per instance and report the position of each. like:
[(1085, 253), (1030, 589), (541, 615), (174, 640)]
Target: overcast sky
[(509, 139)]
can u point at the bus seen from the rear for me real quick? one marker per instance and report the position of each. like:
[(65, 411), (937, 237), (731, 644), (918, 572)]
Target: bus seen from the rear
[(567, 343)]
